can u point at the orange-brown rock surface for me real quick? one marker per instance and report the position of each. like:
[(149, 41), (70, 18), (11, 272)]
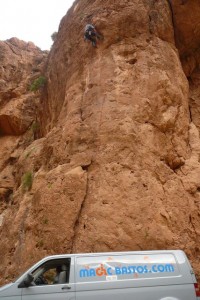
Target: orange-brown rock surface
[(115, 165)]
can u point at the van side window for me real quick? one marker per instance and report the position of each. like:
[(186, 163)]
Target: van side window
[(52, 272)]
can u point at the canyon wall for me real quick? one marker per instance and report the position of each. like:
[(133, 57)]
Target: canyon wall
[(114, 164)]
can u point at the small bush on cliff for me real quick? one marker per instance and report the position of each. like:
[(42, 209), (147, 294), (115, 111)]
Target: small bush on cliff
[(35, 128), (38, 84), (27, 181), (54, 36)]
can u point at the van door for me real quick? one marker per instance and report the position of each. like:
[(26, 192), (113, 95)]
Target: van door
[(52, 280)]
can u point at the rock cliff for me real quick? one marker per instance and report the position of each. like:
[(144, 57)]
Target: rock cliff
[(114, 162)]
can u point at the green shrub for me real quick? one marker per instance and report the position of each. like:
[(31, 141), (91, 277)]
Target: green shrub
[(49, 185), (35, 126), (54, 36), (45, 221), (38, 84), (40, 244), (27, 181)]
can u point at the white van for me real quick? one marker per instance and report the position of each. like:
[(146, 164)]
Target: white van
[(148, 275)]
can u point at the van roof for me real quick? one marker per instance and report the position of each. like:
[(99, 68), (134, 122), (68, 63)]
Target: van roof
[(178, 253)]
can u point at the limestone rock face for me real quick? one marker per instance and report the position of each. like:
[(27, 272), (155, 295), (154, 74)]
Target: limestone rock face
[(20, 63), (186, 16), (117, 167)]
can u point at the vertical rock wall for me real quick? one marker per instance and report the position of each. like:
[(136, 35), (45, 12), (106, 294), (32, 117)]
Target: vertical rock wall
[(118, 166)]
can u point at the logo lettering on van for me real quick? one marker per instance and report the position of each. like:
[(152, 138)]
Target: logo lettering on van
[(141, 269), (100, 271)]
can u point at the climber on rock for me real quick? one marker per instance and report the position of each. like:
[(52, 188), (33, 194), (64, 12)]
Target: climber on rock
[(91, 34)]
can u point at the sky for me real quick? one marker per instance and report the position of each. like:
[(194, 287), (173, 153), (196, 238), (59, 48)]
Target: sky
[(32, 20)]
